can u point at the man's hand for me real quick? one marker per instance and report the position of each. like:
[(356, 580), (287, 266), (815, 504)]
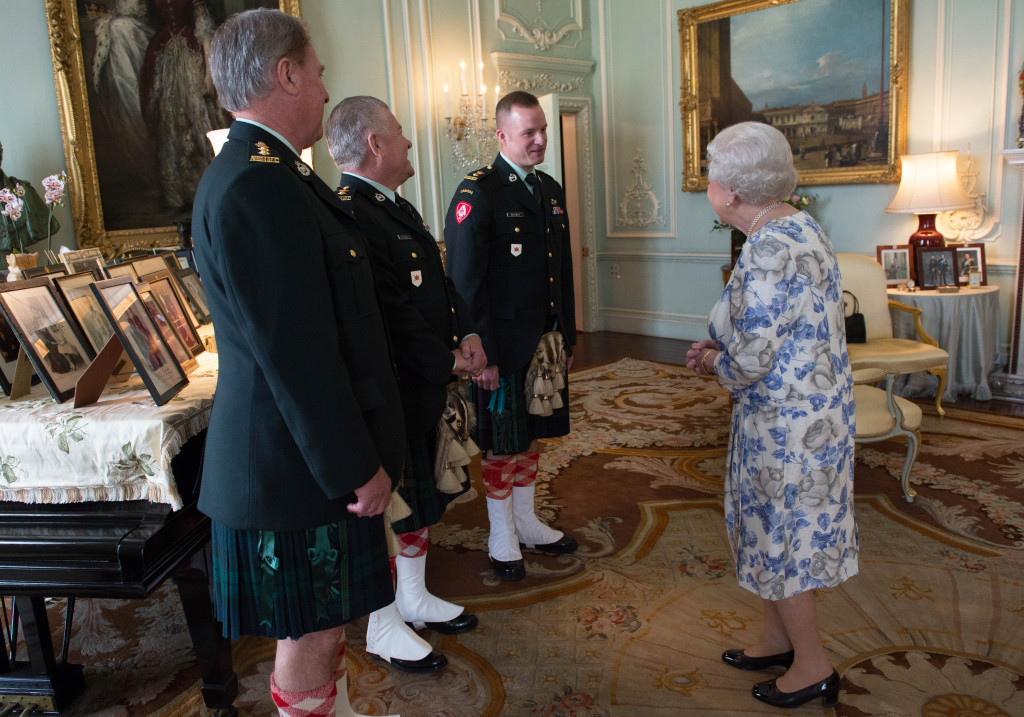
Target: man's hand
[(372, 498), (488, 378), (473, 350)]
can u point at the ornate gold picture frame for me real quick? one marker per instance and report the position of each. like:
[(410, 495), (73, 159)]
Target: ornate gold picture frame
[(830, 74), (121, 199)]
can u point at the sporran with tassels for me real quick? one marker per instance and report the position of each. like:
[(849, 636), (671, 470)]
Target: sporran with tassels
[(455, 446), (545, 378)]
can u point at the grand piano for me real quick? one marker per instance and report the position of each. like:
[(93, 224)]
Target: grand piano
[(109, 549)]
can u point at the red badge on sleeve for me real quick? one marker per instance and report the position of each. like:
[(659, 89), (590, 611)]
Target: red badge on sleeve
[(462, 210)]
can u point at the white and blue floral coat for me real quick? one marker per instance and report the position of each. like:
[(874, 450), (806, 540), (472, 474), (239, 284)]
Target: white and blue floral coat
[(789, 486)]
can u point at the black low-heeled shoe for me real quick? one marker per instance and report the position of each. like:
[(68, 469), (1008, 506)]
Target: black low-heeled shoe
[(564, 545), (434, 662), (742, 661), (463, 622), (828, 689), (511, 570)]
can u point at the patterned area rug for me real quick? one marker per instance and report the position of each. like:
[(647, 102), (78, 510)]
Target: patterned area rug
[(634, 623)]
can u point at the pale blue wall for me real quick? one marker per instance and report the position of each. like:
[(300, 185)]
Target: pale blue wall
[(963, 95)]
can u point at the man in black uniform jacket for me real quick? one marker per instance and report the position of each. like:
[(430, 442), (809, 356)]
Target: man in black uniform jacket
[(507, 239), (306, 432), (431, 334)]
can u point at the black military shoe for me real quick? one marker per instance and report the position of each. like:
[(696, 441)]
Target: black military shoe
[(565, 544), (459, 624), (511, 570), (434, 662)]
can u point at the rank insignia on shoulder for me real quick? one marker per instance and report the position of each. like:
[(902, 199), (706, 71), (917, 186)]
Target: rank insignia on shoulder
[(471, 177), (264, 155)]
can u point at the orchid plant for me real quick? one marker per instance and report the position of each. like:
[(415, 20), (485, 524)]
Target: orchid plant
[(13, 206), (55, 186)]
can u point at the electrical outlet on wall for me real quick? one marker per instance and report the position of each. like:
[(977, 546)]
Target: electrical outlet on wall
[(615, 272)]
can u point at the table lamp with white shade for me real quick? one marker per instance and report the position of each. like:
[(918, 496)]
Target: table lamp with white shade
[(929, 185), (218, 137)]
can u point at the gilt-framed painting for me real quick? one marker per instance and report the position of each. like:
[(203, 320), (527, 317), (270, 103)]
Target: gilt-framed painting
[(831, 75), (134, 156)]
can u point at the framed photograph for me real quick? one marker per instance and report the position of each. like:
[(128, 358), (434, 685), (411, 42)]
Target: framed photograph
[(75, 288), (9, 356), (186, 260), (178, 290), (165, 295), (970, 258), (193, 288), (153, 263), (82, 260), (141, 337), (936, 266), (115, 271), (48, 270), (134, 112), (170, 336), (898, 262), (845, 120), (58, 353)]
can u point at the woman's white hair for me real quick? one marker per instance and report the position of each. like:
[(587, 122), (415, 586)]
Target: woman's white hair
[(754, 160)]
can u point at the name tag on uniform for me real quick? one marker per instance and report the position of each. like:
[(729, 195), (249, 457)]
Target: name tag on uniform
[(517, 249), (515, 215), (417, 277), (404, 237)]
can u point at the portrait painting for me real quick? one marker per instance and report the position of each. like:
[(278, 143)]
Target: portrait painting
[(136, 100), (57, 351), (141, 338), (936, 266), (833, 81), (898, 263), (971, 258)]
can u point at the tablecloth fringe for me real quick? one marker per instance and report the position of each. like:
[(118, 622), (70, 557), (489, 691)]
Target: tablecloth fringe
[(136, 490)]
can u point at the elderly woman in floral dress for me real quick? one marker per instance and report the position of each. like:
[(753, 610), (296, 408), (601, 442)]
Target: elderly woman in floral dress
[(778, 344)]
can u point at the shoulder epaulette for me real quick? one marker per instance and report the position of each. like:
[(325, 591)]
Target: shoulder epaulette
[(473, 176)]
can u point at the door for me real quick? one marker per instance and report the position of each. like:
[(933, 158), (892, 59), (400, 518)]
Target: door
[(552, 163)]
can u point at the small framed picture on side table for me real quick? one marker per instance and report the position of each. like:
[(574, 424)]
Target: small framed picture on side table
[(971, 258), (898, 262), (936, 266)]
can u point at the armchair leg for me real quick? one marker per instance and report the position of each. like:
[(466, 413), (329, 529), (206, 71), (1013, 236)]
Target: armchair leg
[(913, 441), (939, 373)]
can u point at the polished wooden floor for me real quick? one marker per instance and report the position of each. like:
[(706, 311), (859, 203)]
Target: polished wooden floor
[(593, 349)]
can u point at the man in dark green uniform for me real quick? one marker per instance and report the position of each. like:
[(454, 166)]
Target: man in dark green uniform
[(306, 434), (507, 239), (431, 334)]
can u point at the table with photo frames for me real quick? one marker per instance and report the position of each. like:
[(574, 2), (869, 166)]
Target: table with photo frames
[(100, 501), (966, 325)]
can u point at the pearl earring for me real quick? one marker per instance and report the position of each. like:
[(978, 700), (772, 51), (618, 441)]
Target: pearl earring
[(728, 204)]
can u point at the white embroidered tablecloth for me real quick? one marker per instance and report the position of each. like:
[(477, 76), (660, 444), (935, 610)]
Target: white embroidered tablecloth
[(119, 448)]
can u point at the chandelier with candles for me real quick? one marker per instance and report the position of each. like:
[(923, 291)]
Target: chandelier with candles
[(471, 132)]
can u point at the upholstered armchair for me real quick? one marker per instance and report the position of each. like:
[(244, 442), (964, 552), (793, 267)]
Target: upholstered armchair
[(882, 415), (864, 277)]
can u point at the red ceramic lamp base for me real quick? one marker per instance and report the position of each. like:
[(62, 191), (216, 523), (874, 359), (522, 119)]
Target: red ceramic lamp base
[(927, 234)]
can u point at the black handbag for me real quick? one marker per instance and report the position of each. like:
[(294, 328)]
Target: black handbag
[(856, 331)]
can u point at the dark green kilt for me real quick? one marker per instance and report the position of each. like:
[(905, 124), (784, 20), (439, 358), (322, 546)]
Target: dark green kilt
[(509, 428), (289, 583), (419, 485)]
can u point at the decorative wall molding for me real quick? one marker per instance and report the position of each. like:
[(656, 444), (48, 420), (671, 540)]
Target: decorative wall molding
[(548, 23), (640, 206), (968, 225), (541, 75)]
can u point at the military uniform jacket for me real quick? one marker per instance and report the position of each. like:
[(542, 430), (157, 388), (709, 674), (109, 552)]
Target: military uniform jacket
[(426, 318), (511, 261), (307, 405)]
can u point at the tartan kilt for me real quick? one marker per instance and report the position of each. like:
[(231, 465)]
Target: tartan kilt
[(285, 584), (513, 429), (419, 485)]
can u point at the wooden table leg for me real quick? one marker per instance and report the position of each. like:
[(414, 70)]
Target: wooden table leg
[(213, 651)]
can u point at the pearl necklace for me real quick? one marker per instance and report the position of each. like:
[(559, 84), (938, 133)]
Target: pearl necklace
[(762, 213)]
